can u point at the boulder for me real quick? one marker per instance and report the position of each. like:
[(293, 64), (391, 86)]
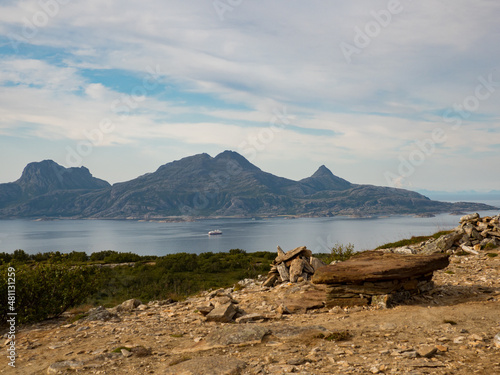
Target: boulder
[(222, 313), (128, 305), (283, 271), (271, 279), (302, 250), (442, 244), (379, 266), (296, 268), (471, 217), (316, 263)]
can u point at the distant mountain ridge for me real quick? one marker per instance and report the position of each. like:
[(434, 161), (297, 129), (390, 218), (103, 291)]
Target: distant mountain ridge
[(227, 185)]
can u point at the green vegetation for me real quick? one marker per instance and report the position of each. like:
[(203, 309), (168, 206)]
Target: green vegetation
[(413, 240), (489, 246), (339, 252), (49, 284), (462, 253), (342, 335), (45, 290)]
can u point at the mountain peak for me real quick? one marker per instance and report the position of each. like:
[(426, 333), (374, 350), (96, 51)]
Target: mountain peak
[(323, 172), (235, 157), (324, 179), (47, 175)]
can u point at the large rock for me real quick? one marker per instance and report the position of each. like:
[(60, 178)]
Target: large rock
[(222, 313), (316, 263), (283, 271), (442, 244), (378, 266), (103, 314), (128, 305), (471, 217), (292, 253), (296, 269)]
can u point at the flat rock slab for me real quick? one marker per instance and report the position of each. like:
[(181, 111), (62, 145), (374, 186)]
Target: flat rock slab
[(301, 302), (230, 335), (237, 335), (376, 266), (208, 366), (283, 331), (292, 253)]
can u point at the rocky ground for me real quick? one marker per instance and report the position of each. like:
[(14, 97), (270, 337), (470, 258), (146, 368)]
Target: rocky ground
[(450, 330)]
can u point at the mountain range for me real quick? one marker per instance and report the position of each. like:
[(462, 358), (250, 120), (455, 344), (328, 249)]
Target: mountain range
[(227, 185)]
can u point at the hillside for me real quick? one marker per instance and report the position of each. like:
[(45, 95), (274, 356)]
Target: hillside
[(227, 185), (449, 330)]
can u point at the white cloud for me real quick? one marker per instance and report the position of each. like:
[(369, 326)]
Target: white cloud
[(262, 56)]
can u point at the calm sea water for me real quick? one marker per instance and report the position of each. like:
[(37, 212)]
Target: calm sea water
[(151, 238)]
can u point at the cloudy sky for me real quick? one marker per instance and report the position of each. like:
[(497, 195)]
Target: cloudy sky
[(396, 93)]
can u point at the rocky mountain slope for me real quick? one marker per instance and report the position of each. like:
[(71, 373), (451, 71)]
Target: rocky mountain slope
[(204, 186)]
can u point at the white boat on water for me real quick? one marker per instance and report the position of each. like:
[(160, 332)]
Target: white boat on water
[(214, 232)]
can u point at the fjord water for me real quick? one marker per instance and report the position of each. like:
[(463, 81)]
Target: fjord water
[(154, 238)]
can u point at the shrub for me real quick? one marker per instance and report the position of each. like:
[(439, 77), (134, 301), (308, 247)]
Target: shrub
[(47, 290), (413, 240), (20, 256), (5, 258), (342, 252), (111, 256)]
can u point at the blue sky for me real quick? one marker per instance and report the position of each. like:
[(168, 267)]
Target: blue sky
[(394, 93)]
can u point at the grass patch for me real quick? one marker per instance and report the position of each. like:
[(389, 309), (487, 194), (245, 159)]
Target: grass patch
[(343, 335), (77, 317), (413, 240), (461, 253), (238, 286), (339, 252)]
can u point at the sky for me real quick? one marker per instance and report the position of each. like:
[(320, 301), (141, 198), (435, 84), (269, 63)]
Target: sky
[(394, 93)]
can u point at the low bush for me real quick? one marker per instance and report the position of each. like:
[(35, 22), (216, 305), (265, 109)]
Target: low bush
[(47, 290), (413, 240)]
